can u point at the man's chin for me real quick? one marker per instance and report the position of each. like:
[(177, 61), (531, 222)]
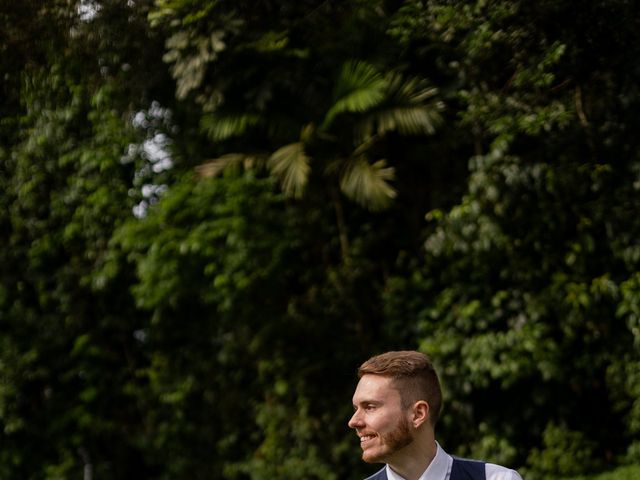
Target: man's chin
[(370, 457)]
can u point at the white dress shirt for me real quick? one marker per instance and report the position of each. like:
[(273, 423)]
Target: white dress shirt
[(440, 469)]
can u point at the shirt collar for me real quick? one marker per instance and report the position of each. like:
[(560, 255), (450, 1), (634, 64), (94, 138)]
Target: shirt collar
[(438, 469)]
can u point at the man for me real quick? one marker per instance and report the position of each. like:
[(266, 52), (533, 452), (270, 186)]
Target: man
[(397, 403)]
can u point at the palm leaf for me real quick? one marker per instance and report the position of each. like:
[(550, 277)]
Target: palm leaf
[(291, 165), (368, 184), (216, 166), (410, 108), (413, 109), (359, 87), (220, 126), (408, 120)]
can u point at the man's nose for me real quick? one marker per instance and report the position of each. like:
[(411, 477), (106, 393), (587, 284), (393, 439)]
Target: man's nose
[(356, 420)]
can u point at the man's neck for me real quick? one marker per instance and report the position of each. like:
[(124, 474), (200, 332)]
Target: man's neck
[(414, 459)]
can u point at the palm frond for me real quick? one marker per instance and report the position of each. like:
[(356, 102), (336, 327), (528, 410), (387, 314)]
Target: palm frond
[(291, 165), (216, 166), (359, 87), (409, 90), (410, 108), (219, 126), (408, 120), (368, 184), (413, 107)]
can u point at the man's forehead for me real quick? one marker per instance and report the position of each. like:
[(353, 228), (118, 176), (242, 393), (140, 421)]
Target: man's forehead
[(374, 387)]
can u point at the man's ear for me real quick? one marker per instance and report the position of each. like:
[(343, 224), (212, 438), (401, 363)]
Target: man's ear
[(421, 413)]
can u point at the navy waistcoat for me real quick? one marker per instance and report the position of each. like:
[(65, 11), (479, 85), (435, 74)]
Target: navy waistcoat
[(462, 469)]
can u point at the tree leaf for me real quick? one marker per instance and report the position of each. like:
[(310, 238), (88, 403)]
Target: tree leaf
[(359, 87), (291, 164), (368, 184), (220, 126), (216, 166), (409, 108)]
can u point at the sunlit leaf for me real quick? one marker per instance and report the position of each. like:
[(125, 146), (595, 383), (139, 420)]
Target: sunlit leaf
[(291, 165), (368, 184), (359, 87)]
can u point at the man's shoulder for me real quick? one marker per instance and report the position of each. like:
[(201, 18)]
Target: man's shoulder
[(379, 475), (498, 472)]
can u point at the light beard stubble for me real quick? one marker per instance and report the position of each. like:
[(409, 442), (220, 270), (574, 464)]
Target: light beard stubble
[(394, 441)]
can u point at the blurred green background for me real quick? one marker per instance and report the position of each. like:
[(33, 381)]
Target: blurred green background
[(212, 211)]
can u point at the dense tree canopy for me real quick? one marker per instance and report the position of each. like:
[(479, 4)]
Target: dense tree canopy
[(213, 211)]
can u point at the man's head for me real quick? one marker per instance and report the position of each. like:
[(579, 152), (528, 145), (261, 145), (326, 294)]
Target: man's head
[(396, 404), (412, 374)]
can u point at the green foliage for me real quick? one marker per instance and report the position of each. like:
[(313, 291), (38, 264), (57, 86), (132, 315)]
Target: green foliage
[(359, 87), (522, 299), (65, 332), (229, 291), (267, 108), (527, 282), (221, 127), (627, 472), (161, 323), (380, 105), (65, 191), (565, 452)]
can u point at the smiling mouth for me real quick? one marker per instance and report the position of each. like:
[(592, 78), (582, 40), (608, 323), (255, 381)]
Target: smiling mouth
[(366, 438)]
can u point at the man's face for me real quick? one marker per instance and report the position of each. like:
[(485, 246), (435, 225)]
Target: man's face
[(379, 420)]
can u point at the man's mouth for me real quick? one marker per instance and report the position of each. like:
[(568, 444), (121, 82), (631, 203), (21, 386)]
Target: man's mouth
[(366, 438)]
